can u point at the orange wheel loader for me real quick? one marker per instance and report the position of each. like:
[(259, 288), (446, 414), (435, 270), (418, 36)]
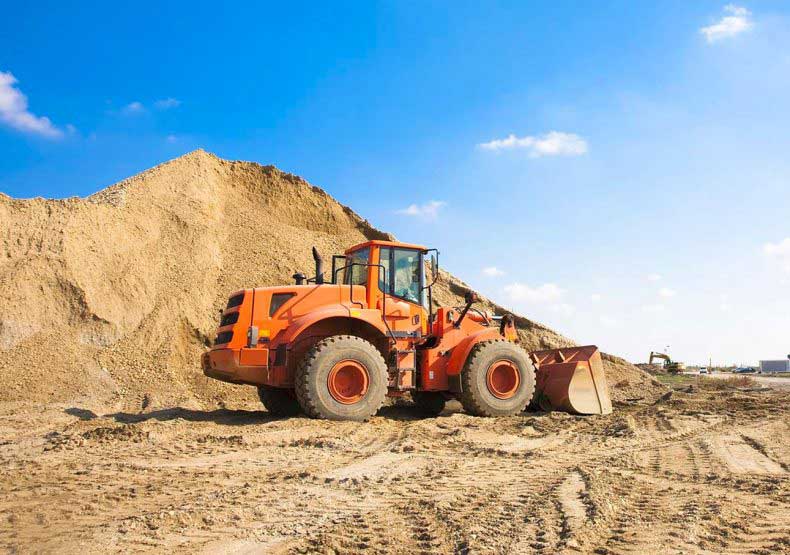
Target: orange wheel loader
[(336, 348)]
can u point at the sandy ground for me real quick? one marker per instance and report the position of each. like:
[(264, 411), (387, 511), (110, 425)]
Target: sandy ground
[(699, 472)]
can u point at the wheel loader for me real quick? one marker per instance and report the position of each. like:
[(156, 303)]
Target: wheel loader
[(336, 347)]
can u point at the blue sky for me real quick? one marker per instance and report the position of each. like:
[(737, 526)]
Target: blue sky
[(617, 170)]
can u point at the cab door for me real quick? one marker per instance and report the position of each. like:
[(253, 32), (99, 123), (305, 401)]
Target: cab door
[(400, 290), (400, 286)]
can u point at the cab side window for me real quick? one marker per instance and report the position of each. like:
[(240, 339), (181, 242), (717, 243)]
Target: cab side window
[(357, 275)]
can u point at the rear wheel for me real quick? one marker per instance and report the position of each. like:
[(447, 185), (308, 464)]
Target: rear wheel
[(280, 402), (429, 402), (342, 378), (498, 379)]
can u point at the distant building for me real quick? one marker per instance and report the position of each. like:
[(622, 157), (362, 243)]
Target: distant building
[(775, 365)]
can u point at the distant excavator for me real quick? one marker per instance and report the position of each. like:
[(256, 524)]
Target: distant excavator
[(671, 366)]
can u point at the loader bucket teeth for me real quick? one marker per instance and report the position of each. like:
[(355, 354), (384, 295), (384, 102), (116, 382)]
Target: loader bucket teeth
[(573, 380)]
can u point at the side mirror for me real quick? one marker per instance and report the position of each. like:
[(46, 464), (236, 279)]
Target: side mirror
[(434, 269)]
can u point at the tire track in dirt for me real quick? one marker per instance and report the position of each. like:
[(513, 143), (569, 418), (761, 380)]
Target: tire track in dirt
[(544, 532), (741, 458), (642, 480), (714, 519)]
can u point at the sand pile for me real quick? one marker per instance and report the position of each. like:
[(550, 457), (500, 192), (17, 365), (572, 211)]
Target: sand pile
[(113, 297)]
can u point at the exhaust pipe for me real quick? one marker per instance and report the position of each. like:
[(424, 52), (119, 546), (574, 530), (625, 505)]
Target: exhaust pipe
[(319, 267)]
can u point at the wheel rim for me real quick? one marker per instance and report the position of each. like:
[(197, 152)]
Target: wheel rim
[(348, 381), (503, 379)]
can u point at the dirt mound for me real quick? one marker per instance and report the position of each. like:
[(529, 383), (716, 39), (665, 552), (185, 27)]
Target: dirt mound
[(652, 369), (113, 297)]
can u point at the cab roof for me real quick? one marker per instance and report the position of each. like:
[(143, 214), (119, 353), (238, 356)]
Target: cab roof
[(384, 244)]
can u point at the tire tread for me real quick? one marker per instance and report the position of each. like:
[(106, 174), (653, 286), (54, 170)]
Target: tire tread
[(309, 366), (472, 403)]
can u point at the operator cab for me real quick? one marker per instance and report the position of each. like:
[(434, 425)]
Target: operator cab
[(397, 270)]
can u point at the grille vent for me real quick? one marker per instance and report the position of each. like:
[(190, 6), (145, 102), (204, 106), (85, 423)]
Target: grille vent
[(229, 319), (223, 337)]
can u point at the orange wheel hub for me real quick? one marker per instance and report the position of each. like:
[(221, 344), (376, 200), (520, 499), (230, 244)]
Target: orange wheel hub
[(503, 379), (348, 381)]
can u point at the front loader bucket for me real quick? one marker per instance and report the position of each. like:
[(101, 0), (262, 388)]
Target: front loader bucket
[(572, 380)]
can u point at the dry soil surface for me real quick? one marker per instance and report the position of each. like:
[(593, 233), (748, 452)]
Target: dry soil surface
[(699, 471)]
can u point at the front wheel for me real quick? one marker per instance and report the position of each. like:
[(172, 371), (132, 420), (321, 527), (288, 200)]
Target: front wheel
[(342, 378), (498, 379)]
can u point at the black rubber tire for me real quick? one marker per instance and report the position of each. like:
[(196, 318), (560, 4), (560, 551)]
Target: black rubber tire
[(476, 398), (311, 379), (429, 402), (535, 401), (278, 401)]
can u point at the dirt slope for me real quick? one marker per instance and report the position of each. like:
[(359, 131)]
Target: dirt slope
[(113, 297)]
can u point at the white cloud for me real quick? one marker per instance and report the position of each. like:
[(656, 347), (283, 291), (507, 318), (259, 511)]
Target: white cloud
[(654, 277), (666, 292), (736, 21), (167, 103), (493, 271), (428, 211), (596, 297), (133, 108), (654, 308), (14, 111), (553, 143), (608, 321), (171, 139), (547, 292), (779, 252)]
